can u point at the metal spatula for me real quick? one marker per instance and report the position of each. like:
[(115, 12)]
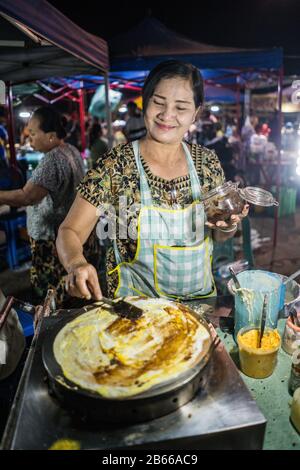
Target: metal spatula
[(123, 308), (262, 322), (234, 277)]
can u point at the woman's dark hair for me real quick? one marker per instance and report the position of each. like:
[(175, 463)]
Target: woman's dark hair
[(51, 121), (95, 133), (171, 69)]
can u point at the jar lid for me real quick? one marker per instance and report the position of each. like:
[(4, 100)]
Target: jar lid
[(258, 196)]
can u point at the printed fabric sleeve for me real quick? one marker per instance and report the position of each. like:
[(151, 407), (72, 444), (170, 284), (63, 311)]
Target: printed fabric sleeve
[(100, 185), (47, 174), (212, 174), (218, 176)]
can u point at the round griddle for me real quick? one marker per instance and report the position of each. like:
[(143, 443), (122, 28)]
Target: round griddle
[(91, 406)]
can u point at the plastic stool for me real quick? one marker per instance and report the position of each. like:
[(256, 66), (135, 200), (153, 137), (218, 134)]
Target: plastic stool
[(26, 321), (10, 223)]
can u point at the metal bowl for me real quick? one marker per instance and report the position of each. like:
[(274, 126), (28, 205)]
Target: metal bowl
[(292, 295)]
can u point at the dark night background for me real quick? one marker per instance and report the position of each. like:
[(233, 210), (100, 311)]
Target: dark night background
[(244, 23)]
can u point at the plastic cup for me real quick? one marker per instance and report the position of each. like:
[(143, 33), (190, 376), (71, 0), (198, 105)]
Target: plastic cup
[(258, 362), (248, 308)]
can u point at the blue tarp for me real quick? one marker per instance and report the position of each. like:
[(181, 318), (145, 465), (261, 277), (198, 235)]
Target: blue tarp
[(151, 42), (259, 60), (135, 53)]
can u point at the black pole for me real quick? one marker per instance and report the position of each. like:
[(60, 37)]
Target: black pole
[(10, 123), (278, 175)]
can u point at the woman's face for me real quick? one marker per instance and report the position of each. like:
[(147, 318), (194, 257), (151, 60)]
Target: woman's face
[(39, 140), (171, 110)]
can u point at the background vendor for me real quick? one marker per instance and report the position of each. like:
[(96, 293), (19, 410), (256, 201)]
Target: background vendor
[(48, 195)]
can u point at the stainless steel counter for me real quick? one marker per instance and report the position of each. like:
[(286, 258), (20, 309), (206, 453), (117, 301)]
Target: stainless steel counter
[(223, 415)]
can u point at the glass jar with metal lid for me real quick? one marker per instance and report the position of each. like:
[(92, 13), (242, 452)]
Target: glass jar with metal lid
[(223, 201)]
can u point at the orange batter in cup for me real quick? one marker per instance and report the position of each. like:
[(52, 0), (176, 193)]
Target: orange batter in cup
[(258, 362)]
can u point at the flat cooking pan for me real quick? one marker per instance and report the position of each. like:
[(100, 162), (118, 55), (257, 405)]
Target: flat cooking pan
[(157, 401)]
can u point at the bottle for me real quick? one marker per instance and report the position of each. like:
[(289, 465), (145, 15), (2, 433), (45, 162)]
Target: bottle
[(29, 171), (295, 410), (294, 381)]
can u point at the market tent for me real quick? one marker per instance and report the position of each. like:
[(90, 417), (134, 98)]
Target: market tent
[(37, 41), (45, 44), (151, 41), (226, 70)]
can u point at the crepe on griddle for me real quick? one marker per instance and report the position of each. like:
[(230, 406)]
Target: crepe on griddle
[(117, 357)]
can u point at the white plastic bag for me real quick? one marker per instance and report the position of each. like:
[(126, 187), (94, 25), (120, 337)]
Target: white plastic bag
[(12, 342)]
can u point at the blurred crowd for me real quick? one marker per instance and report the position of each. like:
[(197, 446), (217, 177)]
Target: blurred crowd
[(242, 149)]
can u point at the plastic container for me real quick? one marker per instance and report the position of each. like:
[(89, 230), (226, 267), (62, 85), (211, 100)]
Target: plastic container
[(294, 380), (255, 362), (249, 300), (26, 321), (228, 199), (295, 410), (287, 201), (291, 334)]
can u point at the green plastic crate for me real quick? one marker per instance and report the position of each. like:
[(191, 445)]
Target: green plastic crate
[(287, 201)]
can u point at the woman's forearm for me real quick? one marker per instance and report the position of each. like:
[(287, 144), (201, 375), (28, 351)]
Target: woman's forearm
[(74, 232), (69, 249), (27, 196), (15, 198)]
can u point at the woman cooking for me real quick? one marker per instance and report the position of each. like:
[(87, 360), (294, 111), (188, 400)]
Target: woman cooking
[(48, 195), (153, 186)]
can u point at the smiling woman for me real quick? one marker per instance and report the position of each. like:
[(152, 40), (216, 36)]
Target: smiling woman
[(159, 181)]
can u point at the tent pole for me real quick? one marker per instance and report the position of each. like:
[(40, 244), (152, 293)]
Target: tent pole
[(280, 82), (238, 104), (82, 123), (10, 122), (108, 111), (247, 101), (246, 112)]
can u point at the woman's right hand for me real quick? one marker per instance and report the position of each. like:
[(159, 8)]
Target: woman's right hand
[(82, 281)]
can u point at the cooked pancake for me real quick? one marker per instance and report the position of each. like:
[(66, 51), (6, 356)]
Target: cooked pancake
[(117, 357)]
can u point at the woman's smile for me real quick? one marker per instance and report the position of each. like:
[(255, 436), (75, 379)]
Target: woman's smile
[(164, 127)]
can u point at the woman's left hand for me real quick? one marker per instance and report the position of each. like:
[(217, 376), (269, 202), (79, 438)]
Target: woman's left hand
[(235, 219)]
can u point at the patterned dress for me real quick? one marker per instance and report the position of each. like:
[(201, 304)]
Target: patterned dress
[(116, 175), (60, 171)]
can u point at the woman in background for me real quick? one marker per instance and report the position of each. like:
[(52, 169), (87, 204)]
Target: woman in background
[(48, 195)]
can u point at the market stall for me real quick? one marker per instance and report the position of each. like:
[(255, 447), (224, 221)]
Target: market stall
[(148, 369), (40, 42), (37, 42)]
